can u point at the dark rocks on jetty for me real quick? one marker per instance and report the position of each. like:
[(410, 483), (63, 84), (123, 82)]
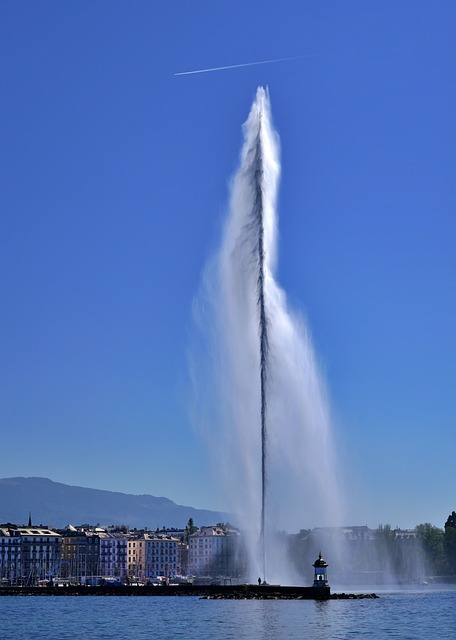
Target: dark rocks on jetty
[(353, 596), (209, 592), (285, 593), (279, 595)]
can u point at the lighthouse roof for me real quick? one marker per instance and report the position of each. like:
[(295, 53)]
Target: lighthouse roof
[(320, 562)]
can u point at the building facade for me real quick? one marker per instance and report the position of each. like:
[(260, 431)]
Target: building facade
[(29, 554), (113, 555), (216, 551), (80, 555), (162, 556), (136, 560)]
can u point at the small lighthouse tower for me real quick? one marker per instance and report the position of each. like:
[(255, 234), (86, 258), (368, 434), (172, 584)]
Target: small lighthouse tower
[(320, 574)]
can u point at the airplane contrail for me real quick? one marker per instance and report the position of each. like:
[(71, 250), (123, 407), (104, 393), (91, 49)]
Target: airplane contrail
[(248, 64)]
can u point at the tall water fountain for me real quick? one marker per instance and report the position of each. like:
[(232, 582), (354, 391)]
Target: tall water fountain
[(260, 394)]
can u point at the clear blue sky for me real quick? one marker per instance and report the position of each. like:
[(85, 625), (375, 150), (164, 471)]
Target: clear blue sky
[(113, 190)]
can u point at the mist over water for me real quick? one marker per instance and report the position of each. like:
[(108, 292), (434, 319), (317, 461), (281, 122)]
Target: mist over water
[(301, 479)]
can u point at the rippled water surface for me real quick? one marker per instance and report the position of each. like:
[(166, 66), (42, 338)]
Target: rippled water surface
[(404, 615)]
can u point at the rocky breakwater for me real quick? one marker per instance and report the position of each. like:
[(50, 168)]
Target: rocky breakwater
[(283, 593)]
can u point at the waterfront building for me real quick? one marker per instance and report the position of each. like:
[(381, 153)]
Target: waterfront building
[(162, 556), (136, 559), (113, 555), (216, 551), (28, 554), (182, 558), (80, 554), (10, 556), (405, 534)]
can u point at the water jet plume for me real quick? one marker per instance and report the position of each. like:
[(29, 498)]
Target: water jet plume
[(260, 394)]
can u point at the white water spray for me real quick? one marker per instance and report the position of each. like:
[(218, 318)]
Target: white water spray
[(265, 409)]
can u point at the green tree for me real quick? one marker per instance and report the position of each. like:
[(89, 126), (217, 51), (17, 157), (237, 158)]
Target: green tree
[(432, 545), (189, 529), (449, 542), (451, 521)]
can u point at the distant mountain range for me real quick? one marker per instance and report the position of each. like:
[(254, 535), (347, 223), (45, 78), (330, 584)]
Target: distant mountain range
[(56, 505)]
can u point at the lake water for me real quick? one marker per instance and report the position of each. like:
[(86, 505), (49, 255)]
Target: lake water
[(411, 615)]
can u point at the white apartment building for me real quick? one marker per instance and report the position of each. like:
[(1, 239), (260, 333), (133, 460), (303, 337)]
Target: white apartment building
[(29, 554), (215, 551), (113, 555), (162, 556), (10, 557)]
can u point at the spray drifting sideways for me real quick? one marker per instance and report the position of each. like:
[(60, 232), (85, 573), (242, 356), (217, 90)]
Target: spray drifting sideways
[(263, 400)]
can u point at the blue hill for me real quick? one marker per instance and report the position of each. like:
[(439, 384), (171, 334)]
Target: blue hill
[(56, 505)]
